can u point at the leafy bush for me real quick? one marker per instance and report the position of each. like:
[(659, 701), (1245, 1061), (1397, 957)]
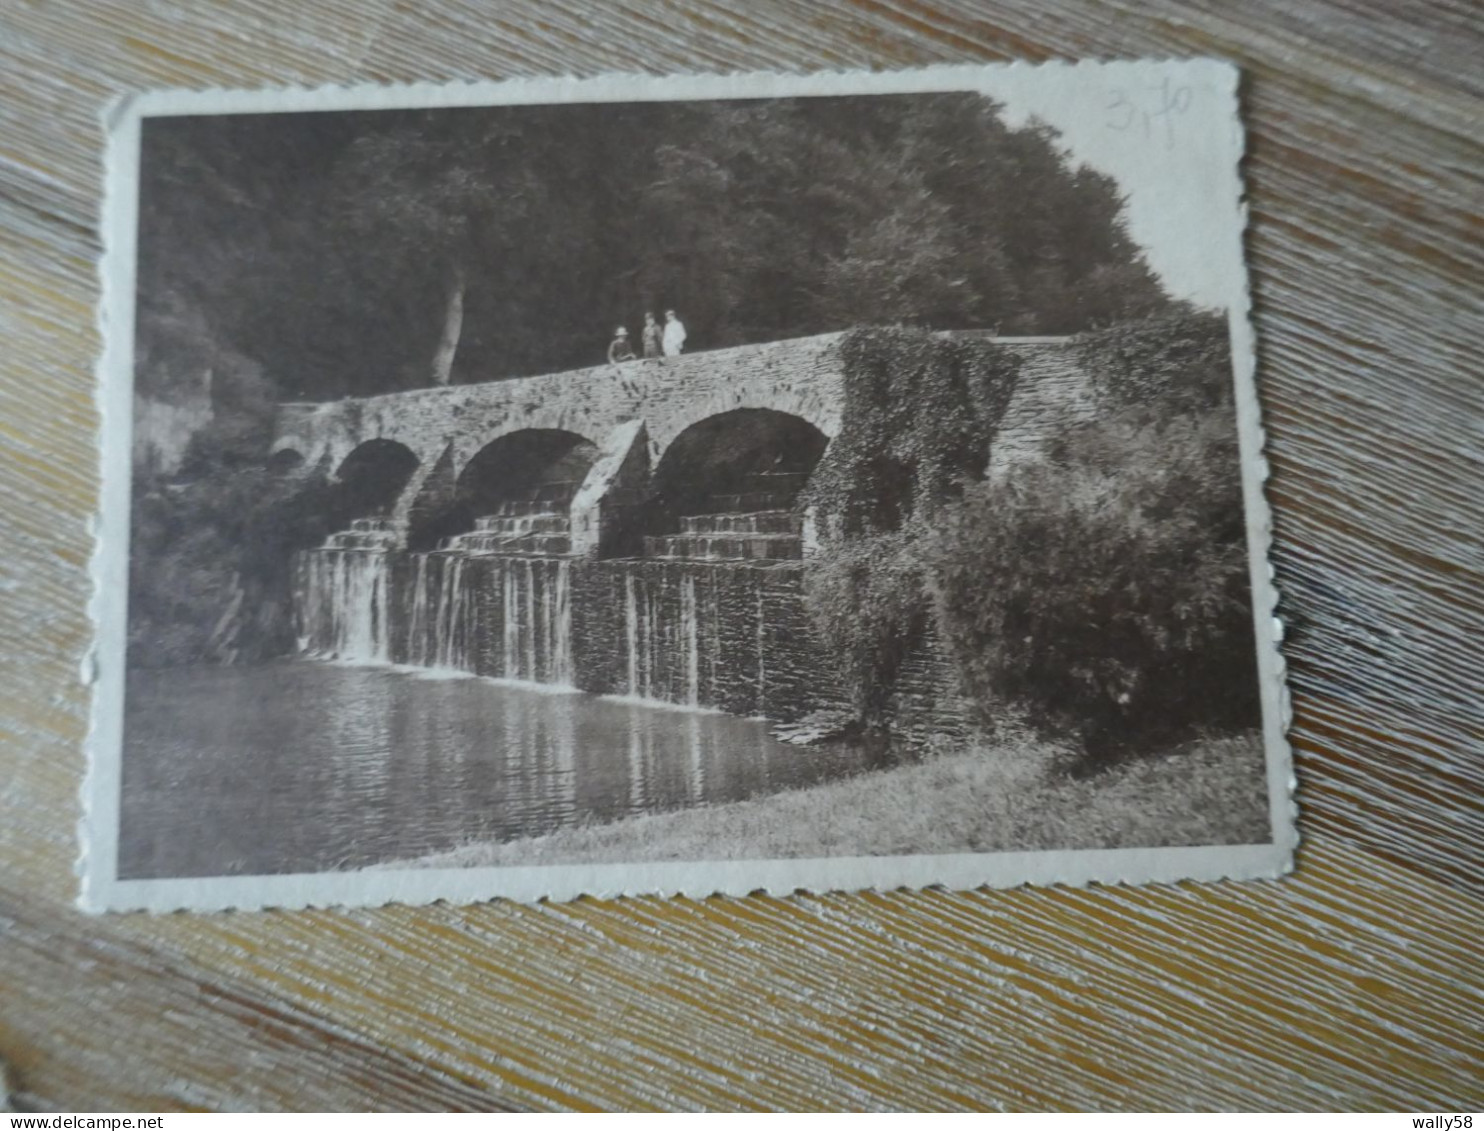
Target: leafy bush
[(210, 561), (867, 600), (1105, 590)]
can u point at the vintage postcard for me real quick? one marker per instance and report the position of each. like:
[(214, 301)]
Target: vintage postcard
[(704, 484)]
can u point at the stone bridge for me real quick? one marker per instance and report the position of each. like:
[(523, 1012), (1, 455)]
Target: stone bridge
[(633, 413)]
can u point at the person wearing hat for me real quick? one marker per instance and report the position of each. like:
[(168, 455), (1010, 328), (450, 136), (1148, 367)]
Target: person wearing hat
[(619, 349)]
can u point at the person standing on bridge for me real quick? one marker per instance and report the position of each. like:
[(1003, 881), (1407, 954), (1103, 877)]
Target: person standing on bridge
[(674, 340), (651, 335), (619, 349)]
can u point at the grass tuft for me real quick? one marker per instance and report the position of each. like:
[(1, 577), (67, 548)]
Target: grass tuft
[(1012, 798)]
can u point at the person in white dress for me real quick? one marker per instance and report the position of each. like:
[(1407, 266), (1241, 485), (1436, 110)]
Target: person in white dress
[(674, 339)]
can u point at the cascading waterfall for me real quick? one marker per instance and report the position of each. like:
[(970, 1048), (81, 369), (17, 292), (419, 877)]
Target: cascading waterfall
[(690, 626), (417, 626), (346, 605), (645, 593), (525, 578), (532, 636), (690, 641), (440, 617), (510, 653), (344, 594), (452, 628), (762, 661), (563, 669), (535, 619), (691, 583), (672, 646), (631, 631)]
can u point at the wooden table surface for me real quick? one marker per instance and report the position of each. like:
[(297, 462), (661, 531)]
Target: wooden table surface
[(1355, 983)]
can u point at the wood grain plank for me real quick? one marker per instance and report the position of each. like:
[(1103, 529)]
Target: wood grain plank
[(198, 1040)]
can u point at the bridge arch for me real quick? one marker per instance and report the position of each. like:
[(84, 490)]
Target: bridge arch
[(816, 403), (524, 470), (285, 460), (738, 460), (373, 475), (524, 460)]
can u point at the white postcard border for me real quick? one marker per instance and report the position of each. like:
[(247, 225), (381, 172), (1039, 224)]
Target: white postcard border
[(104, 666)]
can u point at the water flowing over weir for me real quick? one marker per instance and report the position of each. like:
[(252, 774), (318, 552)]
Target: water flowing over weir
[(662, 633), (710, 618), (344, 596), (536, 619), (465, 607), (637, 535), (441, 625), (504, 617)]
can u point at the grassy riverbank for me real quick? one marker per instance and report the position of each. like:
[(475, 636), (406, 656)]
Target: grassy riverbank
[(1010, 798)]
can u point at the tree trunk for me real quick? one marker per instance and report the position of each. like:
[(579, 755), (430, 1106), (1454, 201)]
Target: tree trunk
[(453, 325)]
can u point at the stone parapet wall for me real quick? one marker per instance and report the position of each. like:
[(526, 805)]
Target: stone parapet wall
[(926, 709), (1053, 392)]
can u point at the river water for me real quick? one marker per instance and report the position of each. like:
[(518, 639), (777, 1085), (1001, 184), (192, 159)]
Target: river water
[(302, 766)]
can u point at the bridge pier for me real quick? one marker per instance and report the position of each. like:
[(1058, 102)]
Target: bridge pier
[(432, 485), (606, 507)]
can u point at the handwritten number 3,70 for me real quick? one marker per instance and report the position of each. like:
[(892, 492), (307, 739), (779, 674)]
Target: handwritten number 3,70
[(1148, 109)]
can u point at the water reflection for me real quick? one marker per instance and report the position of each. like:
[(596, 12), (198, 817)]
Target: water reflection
[(304, 767)]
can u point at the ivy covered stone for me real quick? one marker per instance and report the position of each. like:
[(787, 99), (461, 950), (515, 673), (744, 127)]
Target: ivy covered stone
[(920, 413)]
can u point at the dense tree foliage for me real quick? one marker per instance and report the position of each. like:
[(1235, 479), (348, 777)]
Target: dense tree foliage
[(209, 564), (363, 252)]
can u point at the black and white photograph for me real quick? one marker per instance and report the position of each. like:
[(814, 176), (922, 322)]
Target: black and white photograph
[(689, 485)]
